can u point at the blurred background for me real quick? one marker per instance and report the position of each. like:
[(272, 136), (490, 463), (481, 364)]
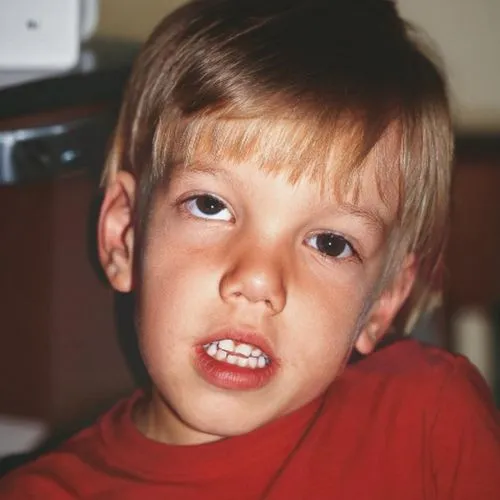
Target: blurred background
[(62, 356)]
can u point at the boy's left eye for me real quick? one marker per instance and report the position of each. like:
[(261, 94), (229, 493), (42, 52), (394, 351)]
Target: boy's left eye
[(207, 206), (331, 245)]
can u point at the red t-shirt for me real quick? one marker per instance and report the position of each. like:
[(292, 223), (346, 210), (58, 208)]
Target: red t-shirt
[(407, 422)]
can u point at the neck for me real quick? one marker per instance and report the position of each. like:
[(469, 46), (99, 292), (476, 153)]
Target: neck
[(156, 420)]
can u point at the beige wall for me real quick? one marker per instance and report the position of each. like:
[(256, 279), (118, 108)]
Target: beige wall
[(132, 18), (467, 35)]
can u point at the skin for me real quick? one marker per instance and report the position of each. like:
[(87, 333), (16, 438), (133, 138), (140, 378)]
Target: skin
[(255, 263)]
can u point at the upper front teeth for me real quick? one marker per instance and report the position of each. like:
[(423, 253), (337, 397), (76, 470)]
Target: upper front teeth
[(212, 349), (226, 344), (241, 354)]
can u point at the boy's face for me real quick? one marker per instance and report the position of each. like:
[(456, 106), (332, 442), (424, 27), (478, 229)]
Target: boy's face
[(251, 293)]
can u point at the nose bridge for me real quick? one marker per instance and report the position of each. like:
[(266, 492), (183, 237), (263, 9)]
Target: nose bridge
[(256, 274)]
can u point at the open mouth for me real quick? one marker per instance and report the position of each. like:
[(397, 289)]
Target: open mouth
[(240, 354), (236, 360)]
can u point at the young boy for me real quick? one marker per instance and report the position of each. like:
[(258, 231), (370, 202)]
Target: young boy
[(276, 191)]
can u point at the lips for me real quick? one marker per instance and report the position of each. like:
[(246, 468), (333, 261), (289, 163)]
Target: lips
[(235, 360)]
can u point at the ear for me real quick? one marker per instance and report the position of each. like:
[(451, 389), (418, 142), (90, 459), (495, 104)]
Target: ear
[(387, 306), (115, 232)]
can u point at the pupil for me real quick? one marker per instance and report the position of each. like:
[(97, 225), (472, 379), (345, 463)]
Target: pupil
[(209, 205), (330, 244)]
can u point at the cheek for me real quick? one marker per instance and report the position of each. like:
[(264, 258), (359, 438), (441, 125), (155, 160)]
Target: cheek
[(317, 358), (176, 288), (174, 296), (333, 301), (324, 341), (174, 265), (325, 321)]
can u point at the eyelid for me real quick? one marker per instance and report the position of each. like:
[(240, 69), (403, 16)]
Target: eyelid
[(183, 200)]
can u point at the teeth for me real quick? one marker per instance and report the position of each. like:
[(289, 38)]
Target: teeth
[(230, 345), (220, 355), (232, 359), (212, 350), (243, 362), (243, 349), (227, 345), (242, 355)]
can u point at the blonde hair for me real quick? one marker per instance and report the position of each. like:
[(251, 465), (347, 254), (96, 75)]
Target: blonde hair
[(284, 82)]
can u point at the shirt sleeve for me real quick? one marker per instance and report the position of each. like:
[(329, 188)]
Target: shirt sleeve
[(465, 438)]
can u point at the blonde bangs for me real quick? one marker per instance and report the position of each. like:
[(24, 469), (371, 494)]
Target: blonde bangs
[(330, 151)]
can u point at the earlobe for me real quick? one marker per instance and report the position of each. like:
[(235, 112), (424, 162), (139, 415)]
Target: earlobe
[(116, 232), (386, 307), (368, 338)]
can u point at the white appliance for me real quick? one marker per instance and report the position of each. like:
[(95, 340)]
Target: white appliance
[(44, 34), (20, 434)]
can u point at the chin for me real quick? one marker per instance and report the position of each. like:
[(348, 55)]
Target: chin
[(228, 427), (224, 420)]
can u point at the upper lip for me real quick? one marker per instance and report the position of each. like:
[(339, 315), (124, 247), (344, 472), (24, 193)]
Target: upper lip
[(242, 335)]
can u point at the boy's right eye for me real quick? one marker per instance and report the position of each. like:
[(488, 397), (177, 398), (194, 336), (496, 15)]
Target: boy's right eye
[(207, 206)]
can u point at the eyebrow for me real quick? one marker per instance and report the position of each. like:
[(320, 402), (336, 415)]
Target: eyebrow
[(373, 218), (201, 167)]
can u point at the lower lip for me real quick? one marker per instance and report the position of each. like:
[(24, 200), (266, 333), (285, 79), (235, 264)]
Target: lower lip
[(233, 377)]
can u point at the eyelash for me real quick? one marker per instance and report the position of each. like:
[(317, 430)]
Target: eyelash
[(194, 198)]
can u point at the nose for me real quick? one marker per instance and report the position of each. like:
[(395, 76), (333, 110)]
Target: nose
[(255, 276)]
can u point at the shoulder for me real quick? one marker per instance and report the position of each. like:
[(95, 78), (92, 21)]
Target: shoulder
[(69, 470), (434, 393), (408, 359), (426, 375), (437, 405), (50, 475)]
